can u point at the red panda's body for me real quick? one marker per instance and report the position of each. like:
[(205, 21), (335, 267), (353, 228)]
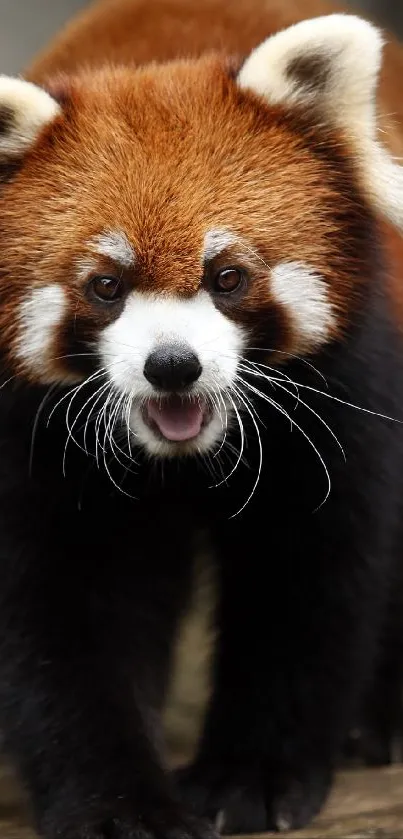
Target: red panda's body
[(200, 226)]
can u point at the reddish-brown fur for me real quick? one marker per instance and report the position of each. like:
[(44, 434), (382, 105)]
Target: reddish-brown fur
[(217, 134), (137, 31), (193, 138), (167, 152)]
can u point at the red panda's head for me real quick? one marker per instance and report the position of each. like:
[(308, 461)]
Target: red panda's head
[(159, 224)]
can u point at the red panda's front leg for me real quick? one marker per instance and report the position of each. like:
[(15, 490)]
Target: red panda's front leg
[(301, 604), (85, 633)]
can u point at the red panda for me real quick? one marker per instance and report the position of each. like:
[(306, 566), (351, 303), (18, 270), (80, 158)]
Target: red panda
[(200, 332)]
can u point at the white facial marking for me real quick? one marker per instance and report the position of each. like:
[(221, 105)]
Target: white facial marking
[(115, 245), (304, 294), (148, 322), (31, 108), (41, 314), (216, 241), (85, 267)]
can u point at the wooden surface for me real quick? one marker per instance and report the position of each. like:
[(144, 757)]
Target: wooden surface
[(366, 804)]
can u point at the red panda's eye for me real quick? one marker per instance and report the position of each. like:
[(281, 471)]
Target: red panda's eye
[(228, 280), (107, 289)]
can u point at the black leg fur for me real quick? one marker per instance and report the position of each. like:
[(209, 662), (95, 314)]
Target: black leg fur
[(304, 599), (86, 628), (376, 738)]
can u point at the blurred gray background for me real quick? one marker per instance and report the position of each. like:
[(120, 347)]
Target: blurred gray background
[(26, 25)]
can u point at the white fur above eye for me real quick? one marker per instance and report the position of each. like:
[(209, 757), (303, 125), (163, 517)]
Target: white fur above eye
[(115, 245), (304, 294), (24, 111), (330, 65), (216, 241), (40, 317)]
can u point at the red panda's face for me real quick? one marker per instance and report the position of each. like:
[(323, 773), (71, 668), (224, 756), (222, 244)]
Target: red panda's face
[(163, 225)]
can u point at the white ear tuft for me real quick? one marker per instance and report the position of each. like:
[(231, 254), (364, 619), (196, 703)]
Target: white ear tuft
[(24, 110), (331, 64), (330, 61)]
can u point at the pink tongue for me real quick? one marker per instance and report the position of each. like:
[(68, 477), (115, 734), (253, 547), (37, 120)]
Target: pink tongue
[(176, 419)]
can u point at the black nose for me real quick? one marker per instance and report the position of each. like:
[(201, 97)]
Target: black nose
[(172, 367)]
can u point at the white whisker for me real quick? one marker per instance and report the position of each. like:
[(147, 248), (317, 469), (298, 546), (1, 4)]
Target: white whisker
[(76, 388), (282, 411), (101, 391), (50, 390), (260, 456), (350, 404), (239, 457), (114, 415), (321, 420)]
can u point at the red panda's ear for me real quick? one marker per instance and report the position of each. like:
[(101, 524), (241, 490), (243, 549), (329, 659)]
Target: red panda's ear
[(24, 111), (331, 65)]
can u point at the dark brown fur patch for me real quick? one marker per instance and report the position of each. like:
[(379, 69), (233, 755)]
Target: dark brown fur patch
[(8, 170), (59, 88), (8, 166), (234, 66), (7, 120), (312, 71)]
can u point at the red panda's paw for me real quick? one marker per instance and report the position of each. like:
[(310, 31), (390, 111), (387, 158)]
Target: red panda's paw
[(241, 800), (296, 800), (158, 827)]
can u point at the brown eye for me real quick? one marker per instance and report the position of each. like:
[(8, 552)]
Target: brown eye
[(228, 280), (107, 289)]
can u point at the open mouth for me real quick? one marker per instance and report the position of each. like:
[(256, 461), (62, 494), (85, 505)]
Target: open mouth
[(177, 419)]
